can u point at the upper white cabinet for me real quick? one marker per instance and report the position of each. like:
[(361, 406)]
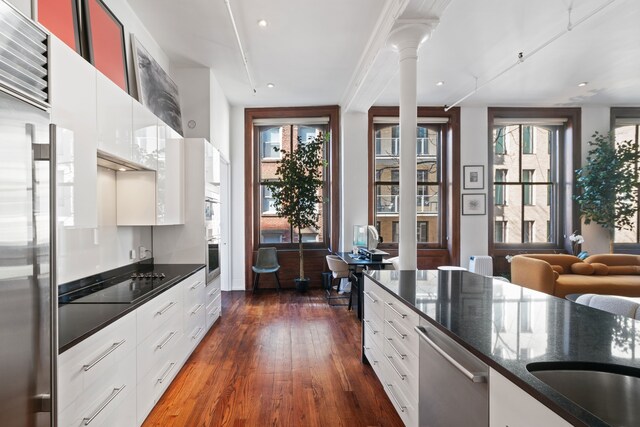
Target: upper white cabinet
[(170, 176), (115, 118), (145, 137), (73, 111)]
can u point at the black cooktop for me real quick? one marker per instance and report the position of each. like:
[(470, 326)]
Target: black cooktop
[(120, 290)]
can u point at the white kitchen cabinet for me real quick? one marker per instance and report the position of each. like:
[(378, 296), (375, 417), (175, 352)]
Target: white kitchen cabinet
[(115, 119), (145, 137), (212, 164), (73, 111), (510, 406), (195, 315), (170, 176)]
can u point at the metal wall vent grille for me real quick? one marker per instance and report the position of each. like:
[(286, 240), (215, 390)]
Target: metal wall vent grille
[(23, 55)]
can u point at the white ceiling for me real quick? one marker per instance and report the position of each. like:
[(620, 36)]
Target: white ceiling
[(311, 49)]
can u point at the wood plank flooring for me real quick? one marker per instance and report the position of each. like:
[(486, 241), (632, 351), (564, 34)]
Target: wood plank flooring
[(273, 359)]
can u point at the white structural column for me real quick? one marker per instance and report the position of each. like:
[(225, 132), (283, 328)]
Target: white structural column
[(406, 39)]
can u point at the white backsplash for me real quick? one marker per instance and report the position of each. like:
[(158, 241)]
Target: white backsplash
[(86, 251)]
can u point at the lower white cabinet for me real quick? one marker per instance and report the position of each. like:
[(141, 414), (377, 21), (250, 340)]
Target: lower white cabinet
[(116, 376), (391, 346), (510, 406)]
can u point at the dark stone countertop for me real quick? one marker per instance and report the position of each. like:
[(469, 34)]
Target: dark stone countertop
[(508, 326), (77, 322)]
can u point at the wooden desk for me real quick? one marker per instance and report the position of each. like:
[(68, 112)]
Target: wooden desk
[(357, 265)]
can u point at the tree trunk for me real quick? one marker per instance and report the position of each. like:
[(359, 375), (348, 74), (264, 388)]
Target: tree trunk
[(301, 254)]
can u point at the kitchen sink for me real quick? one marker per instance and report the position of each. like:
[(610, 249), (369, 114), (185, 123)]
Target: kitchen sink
[(608, 391)]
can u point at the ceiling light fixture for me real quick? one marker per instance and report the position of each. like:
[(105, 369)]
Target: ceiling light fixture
[(122, 169), (262, 23), (440, 83), (270, 85), (582, 84), (242, 52)]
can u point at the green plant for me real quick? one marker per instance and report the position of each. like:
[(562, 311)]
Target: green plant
[(298, 190), (608, 185)]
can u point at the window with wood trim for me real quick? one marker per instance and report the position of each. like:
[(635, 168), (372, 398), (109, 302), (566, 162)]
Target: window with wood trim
[(435, 135), (625, 123), (532, 156)]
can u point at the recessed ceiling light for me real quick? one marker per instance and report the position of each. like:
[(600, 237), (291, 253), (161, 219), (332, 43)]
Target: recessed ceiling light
[(440, 83), (270, 85), (122, 169), (262, 23), (582, 84)]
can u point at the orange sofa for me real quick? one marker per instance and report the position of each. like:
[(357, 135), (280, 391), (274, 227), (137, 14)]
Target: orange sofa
[(561, 274)]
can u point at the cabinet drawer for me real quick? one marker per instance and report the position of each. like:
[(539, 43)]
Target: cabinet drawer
[(403, 334), (213, 311), (213, 292), (373, 301), (152, 386), (406, 360), (397, 311), (408, 412), (94, 359), (375, 358), (374, 326), (156, 347), (195, 328), (159, 310), (194, 289), (403, 378), (105, 400)]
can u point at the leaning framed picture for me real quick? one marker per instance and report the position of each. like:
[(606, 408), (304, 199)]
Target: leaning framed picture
[(156, 90), (105, 42), (474, 204), (62, 19), (473, 177)]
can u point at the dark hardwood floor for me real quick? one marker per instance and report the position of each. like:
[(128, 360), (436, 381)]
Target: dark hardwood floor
[(277, 360)]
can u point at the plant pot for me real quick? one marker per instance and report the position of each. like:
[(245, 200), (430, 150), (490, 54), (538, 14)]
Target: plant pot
[(302, 284)]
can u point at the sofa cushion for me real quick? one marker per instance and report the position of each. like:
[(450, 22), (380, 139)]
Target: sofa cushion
[(600, 269), (624, 285), (563, 260), (582, 268), (614, 259), (558, 269), (624, 269)]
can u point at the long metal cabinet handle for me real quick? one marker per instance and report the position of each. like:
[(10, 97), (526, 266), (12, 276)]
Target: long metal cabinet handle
[(401, 375), (166, 341), (113, 395), (164, 310), (372, 330), (110, 350), (197, 333), (395, 311), (195, 285), (213, 291), (476, 378), (400, 334), (395, 399), (197, 309), (402, 356), (375, 301), (166, 373)]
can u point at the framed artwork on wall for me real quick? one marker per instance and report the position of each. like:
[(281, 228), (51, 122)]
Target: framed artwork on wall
[(473, 177), (474, 204), (62, 19), (105, 42), (156, 90)]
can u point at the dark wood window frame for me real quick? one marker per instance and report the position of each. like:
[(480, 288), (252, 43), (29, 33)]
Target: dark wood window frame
[(287, 252), (625, 113), (569, 154), (428, 255)]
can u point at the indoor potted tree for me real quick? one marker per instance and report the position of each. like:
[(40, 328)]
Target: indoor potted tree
[(608, 185), (298, 191)]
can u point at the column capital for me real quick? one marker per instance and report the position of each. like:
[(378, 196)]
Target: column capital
[(408, 34)]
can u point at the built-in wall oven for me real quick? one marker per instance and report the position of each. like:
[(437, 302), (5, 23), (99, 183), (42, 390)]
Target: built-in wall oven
[(212, 222)]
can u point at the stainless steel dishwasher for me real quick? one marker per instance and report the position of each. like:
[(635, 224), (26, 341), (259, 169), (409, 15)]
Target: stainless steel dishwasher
[(454, 388)]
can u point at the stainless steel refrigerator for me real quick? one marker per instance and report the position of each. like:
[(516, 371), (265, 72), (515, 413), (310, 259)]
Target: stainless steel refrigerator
[(26, 293)]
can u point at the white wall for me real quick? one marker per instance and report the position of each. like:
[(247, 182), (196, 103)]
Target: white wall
[(86, 251), (596, 238), (474, 239), (219, 118), (237, 198), (354, 173), (194, 86)]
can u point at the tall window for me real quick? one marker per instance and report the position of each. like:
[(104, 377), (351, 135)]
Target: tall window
[(532, 156), (387, 181), (626, 126)]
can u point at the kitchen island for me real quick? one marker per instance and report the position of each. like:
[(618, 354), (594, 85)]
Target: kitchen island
[(507, 327)]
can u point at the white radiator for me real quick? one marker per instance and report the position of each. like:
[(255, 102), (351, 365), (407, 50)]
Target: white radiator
[(481, 264)]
